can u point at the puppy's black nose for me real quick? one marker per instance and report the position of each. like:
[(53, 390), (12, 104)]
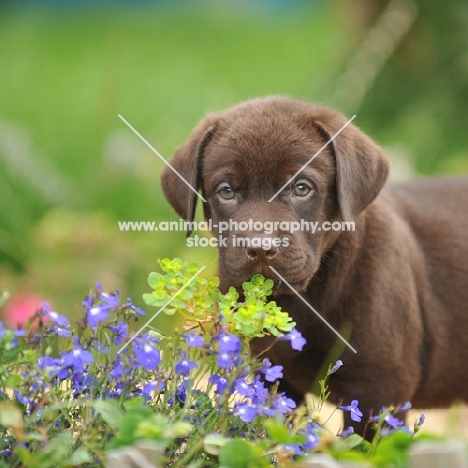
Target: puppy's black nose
[(259, 254)]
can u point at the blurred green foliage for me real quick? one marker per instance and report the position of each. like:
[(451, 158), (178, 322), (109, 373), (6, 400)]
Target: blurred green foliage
[(70, 169)]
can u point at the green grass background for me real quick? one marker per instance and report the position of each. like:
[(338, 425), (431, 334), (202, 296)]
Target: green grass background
[(69, 168)]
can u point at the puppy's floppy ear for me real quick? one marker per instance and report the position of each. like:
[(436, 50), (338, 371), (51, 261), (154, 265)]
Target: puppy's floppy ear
[(187, 161), (361, 166)]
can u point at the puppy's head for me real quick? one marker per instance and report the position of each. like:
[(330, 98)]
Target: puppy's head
[(251, 164)]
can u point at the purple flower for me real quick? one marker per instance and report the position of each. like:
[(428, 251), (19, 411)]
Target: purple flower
[(312, 437), (404, 407), (99, 311), (181, 394), (59, 331), (82, 382), (23, 399), (296, 339), (224, 360), (229, 344), (246, 411), (292, 449), (260, 392), (355, 413), (48, 363), (285, 405), (243, 388), (129, 305), (392, 421), (347, 432), (153, 386), (337, 365), (96, 314), (117, 369), (57, 318), (147, 355), (78, 358), (271, 373), (193, 340), (421, 420), (120, 332), (184, 366), (220, 382)]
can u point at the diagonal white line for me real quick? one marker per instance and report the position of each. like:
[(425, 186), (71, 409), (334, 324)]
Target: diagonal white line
[(313, 310), (161, 309), (312, 158), (162, 159)]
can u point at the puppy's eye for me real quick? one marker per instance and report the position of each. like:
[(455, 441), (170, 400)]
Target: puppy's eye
[(226, 193), (301, 189)]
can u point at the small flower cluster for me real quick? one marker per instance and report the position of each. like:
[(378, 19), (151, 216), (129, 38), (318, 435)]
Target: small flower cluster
[(96, 385)]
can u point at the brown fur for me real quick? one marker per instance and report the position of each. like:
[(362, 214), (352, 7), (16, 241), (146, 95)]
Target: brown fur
[(398, 283)]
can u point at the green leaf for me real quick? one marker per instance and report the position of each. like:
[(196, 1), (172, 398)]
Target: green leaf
[(169, 311), (238, 453), (12, 381), (110, 411), (10, 415), (154, 280), (349, 443), (213, 443), (280, 434), (80, 457)]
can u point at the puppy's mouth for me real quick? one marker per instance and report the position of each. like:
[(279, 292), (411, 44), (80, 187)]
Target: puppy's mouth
[(291, 287)]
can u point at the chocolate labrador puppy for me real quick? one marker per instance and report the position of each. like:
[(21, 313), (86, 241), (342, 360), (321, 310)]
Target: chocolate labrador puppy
[(396, 286)]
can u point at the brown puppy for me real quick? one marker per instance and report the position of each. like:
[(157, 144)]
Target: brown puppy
[(398, 283)]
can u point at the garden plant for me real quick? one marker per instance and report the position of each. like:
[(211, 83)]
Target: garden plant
[(73, 394)]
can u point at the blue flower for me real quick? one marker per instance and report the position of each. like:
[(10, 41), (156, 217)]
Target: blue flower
[(392, 421), (129, 305), (347, 432), (78, 358), (96, 314), (292, 449), (59, 331), (355, 413), (117, 369), (404, 407), (271, 373), (120, 332), (153, 386), (243, 388), (285, 405), (337, 365), (421, 420), (193, 340), (98, 311), (147, 355), (260, 392), (57, 318), (23, 399), (296, 339), (220, 382), (312, 437), (224, 360), (82, 382), (246, 411), (184, 366), (229, 344), (181, 393)]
